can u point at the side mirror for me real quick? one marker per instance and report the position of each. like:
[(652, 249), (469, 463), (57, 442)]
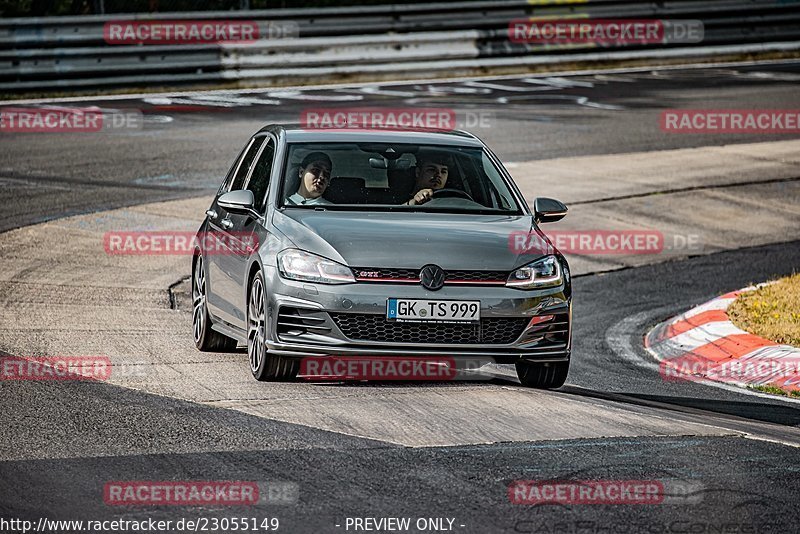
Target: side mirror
[(239, 201), (547, 210)]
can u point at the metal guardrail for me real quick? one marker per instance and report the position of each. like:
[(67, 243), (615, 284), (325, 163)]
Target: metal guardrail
[(87, 30), (336, 43)]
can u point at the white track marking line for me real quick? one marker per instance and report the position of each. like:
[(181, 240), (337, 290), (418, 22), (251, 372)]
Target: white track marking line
[(711, 305), (589, 72)]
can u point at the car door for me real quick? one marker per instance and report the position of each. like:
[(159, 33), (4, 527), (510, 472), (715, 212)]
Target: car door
[(221, 297), (240, 235)]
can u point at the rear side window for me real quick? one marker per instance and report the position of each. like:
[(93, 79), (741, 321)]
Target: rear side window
[(226, 183), (259, 181), (246, 163)]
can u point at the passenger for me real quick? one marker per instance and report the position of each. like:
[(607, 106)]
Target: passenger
[(431, 175), (315, 176)]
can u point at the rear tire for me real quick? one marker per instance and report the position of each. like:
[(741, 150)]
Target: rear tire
[(542, 375), (263, 365), (205, 338)]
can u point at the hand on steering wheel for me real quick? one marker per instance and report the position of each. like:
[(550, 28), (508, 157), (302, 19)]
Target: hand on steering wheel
[(420, 197)]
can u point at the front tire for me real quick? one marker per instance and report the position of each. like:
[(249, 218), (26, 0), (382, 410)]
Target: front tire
[(542, 375), (205, 338), (263, 365)]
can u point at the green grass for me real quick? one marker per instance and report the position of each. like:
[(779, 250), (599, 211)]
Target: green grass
[(776, 391), (772, 311)]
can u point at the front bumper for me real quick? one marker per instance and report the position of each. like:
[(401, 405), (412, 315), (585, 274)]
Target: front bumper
[(309, 319)]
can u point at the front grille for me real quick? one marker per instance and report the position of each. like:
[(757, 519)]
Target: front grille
[(477, 276), (373, 327), (366, 274)]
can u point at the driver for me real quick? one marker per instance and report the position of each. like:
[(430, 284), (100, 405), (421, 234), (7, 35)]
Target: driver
[(431, 175)]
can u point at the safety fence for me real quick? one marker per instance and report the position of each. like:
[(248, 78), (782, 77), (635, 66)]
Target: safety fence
[(378, 42)]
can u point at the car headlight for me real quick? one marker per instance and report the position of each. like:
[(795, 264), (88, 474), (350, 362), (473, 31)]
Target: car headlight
[(544, 272), (299, 265)]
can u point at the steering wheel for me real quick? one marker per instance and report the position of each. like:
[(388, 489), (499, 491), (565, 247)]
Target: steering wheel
[(447, 192)]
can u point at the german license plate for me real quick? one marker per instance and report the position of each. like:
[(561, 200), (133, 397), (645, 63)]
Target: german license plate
[(443, 311)]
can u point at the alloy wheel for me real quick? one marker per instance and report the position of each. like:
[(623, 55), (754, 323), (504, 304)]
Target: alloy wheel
[(198, 300), (256, 322)]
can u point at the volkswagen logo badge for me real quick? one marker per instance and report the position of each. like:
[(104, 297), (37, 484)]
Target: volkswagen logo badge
[(432, 277)]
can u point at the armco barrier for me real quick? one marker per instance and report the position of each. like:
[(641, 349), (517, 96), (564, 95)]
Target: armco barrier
[(332, 44)]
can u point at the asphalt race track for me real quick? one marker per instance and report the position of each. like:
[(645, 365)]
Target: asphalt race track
[(188, 142), (406, 450)]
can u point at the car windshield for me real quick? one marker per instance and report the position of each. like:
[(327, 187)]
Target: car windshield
[(385, 176)]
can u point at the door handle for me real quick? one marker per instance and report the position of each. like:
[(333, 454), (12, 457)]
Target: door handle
[(226, 223), (211, 214)]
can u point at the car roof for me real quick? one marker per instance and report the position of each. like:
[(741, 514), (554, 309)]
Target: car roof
[(295, 133)]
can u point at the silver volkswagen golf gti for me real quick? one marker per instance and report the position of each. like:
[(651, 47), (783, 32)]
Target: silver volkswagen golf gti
[(386, 243)]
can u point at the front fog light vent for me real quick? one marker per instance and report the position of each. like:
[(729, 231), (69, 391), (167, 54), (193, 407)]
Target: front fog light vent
[(293, 322)]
